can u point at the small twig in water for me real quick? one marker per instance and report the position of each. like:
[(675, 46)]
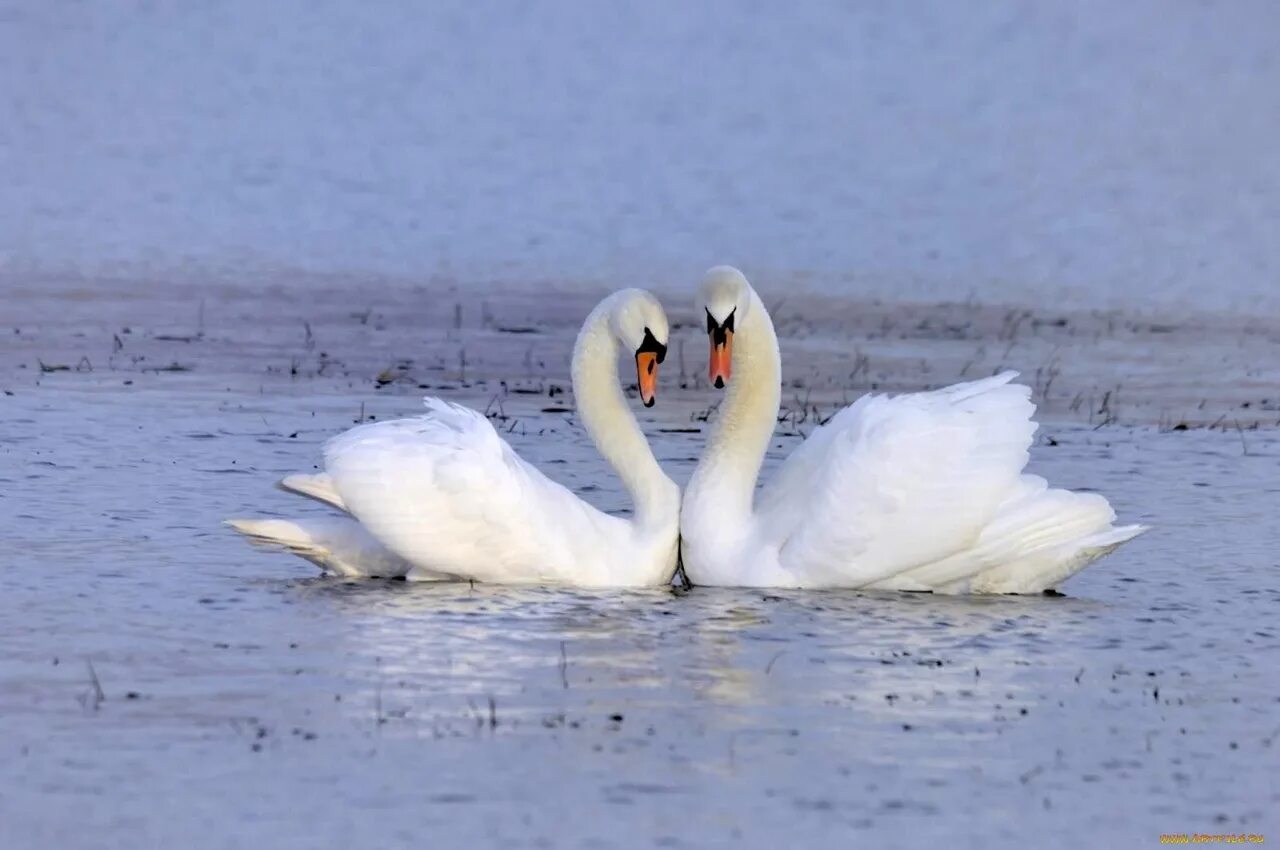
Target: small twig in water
[(95, 697), (378, 716), (1244, 448)]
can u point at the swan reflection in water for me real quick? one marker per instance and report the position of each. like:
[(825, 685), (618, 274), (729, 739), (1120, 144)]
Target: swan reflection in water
[(716, 661)]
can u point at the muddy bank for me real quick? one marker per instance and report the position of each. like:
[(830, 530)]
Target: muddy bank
[(509, 347)]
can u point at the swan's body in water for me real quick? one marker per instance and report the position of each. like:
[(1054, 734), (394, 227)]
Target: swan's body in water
[(444, 496), (917, 492)]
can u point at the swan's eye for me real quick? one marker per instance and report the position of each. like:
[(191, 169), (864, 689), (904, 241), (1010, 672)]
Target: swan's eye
[(719, 331), (726, 325), (651, 345)]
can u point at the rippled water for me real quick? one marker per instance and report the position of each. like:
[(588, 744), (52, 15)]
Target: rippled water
[(246, 703), (162, 684)]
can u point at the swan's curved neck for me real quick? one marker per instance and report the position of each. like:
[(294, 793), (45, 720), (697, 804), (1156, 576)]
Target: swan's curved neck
[(737, 444), (604, 412)]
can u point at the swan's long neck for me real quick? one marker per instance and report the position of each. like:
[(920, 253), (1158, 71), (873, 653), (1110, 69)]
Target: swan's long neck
[(730, 465), (604, 412)]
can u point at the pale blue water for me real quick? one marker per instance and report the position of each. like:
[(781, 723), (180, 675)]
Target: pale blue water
[(1016, 152), (274, 709), (1087, 153)]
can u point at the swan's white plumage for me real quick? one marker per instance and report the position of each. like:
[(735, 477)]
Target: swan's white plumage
[(448, 494), (443, 495), (923, 491), (337, 545), (318, 487), (892, 467)]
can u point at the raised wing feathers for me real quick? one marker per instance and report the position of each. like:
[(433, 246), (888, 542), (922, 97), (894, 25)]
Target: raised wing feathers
[(449, 495), (894, 483)]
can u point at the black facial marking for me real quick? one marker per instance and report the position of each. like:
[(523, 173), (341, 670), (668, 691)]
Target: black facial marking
[(651, 344), (720, 330)]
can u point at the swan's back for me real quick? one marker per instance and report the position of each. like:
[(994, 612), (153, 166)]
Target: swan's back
[(898, 482), (446, 493)]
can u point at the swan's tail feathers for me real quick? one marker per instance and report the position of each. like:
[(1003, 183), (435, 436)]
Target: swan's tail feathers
[(337, 545), (319, 487), (1048, 567), (1040, 538)]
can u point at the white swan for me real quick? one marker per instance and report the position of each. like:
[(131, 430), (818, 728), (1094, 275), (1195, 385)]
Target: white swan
[(443, 495), (918, 492)]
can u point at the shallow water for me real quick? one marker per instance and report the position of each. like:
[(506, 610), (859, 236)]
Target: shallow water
[(246, 703), (162, 684)]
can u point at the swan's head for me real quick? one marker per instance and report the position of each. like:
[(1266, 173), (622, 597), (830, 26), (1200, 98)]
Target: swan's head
[(725, 296), (640, 325)]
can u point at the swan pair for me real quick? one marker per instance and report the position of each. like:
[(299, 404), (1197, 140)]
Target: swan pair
[(923, 491)]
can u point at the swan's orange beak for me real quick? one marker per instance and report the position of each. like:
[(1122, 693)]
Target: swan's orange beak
[(721, 357), (647, 376)]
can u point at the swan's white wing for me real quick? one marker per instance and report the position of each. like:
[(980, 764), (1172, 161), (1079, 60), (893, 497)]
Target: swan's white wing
[(783, 501), (338, 545), (446, 493), (895, 483), (1038, 538), (318, 487)]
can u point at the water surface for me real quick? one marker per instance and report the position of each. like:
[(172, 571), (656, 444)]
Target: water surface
[(246, 703)]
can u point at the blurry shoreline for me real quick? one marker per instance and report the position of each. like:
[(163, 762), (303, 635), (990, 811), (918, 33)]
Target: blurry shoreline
[(479, 341)]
